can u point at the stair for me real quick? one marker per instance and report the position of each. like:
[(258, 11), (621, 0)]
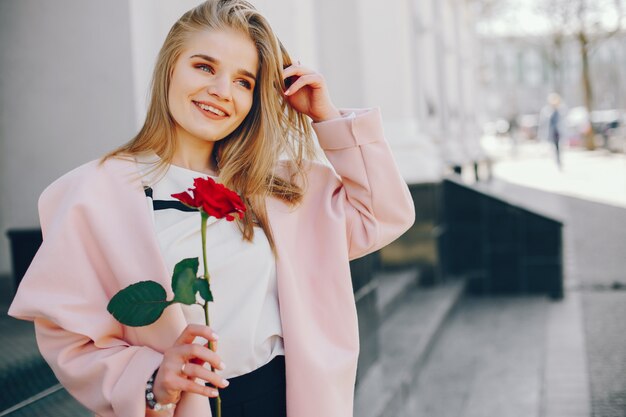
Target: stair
[(392, 287), (406, 336), (54, 402), (28, 387)]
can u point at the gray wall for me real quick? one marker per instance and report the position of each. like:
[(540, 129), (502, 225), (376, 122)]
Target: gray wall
[(66, 96)]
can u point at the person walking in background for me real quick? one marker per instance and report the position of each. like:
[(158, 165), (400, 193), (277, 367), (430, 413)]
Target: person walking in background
[(551, 124), (227, 102), (513, 134)]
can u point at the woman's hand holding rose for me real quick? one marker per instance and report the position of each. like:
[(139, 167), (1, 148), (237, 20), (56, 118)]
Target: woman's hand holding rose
[(182, 363)]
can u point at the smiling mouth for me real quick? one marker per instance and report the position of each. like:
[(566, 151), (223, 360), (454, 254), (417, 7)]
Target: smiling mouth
[(210, 109)]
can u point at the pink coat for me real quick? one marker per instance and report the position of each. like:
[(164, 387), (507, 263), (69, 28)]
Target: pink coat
[(99, 238)]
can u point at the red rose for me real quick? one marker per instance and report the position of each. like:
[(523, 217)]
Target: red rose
[(213, 198)]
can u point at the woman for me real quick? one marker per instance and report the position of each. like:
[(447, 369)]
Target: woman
[(284, 306)]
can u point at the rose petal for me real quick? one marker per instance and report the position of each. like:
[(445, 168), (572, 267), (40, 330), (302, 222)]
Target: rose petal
[(214, 198), (186, 199)]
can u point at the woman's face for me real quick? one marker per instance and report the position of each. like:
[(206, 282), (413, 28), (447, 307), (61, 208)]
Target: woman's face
[(212, 85)]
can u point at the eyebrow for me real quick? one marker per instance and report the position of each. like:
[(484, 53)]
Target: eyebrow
[(215, 61)]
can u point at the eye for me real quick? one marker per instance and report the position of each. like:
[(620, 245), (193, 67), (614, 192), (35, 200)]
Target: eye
[(205, 68), (245, 83)]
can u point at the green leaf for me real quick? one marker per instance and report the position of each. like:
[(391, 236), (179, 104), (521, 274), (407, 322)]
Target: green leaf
[(183, 285), (139, 304), (202, 285), (185, 273), (185, 263)]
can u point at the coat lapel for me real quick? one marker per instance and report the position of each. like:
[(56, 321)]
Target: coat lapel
[(147, 253)]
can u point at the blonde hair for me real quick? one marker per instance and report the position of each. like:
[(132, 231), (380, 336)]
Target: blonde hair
[(248, 156)]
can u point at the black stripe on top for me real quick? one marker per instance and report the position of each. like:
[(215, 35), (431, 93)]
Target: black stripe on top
[(166, 204)]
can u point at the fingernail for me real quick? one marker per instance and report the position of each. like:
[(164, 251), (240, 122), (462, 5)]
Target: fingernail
[(287, 92), (214, 393), (222, 365), (225, 382), (215, 336)]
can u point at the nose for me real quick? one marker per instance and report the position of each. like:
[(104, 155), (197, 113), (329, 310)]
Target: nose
[(219, 87)]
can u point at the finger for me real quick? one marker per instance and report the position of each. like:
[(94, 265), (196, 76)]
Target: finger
[(198, 371), (192, 331), (171, 368), (313, 80), (290, 80), (203, 353), (212, 346), (192, 386), (296, 70), (200, 361)]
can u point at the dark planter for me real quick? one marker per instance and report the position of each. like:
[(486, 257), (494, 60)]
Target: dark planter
[(500, 247), (24, 245)]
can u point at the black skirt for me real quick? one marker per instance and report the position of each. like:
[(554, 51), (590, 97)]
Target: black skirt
[(260, 393)]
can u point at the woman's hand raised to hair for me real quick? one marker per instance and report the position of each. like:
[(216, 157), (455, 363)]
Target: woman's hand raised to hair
[(309, 94), (172, 378)]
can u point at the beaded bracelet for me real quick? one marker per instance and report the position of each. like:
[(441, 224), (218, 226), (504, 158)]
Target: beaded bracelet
[(150, 401)]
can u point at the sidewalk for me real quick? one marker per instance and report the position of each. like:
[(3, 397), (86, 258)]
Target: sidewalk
[(487, 362), (595, 265), (598, 176), (529, 356)]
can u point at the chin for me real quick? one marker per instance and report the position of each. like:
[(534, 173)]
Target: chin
[(209, 136)]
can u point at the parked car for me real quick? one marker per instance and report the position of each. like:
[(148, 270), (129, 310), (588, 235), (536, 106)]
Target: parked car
[(528, 125), (577, 125), (608, 125)]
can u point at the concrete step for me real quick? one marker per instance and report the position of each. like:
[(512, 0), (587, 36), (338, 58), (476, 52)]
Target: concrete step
[(28, 387), (488, 361), (23, 372), (54, 402), (6, 292), (405, 339), (392, 287), (506, 357)]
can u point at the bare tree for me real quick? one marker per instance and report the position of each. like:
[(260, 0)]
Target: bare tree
[(586, 22)]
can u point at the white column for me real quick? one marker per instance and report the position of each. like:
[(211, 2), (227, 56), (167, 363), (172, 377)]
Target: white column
[(367, 53), (468, 53), (391, 80), (453, 150), (340, 50), (294, 21), (430, 90)]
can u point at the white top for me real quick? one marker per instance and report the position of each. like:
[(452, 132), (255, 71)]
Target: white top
[(245, 311)]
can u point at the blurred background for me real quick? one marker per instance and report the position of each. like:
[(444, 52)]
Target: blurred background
[(507, 119)]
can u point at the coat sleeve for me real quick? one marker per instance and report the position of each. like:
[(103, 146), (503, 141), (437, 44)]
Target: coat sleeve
[(373, 195), (109, 379), (63, 292)]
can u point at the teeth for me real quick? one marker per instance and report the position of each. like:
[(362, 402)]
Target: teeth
[(211, 109)]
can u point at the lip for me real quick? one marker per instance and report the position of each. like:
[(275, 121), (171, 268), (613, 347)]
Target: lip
[(208, 113)]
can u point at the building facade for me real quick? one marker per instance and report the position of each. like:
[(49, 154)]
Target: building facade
[(74, 79), (517, 73)]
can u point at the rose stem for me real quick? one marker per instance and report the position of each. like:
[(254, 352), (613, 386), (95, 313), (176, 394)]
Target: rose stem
[(206, 303)]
